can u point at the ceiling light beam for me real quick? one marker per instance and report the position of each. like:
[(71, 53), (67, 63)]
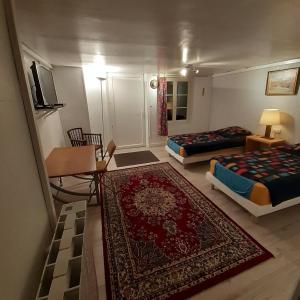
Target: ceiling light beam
[(185, 51)]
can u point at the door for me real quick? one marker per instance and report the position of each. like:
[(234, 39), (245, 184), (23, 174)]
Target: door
[(128, 111)]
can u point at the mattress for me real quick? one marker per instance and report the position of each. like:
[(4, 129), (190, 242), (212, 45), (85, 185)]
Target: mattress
[(194, 143), (270, 176)]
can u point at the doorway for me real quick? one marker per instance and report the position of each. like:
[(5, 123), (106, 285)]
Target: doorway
[(127, 101)]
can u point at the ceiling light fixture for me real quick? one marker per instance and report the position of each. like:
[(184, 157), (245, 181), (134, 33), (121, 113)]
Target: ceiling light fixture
[(183, 72), (189, 69), (185, 55)]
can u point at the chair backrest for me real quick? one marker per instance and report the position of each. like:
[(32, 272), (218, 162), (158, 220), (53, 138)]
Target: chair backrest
[(75, 134), (111, 147)]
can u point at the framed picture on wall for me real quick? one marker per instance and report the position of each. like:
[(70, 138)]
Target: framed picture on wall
[(282, 82)]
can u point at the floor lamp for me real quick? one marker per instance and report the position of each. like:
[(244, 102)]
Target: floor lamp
[(101, 79)]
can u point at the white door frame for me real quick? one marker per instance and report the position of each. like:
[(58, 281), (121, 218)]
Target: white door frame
[(112, 109)]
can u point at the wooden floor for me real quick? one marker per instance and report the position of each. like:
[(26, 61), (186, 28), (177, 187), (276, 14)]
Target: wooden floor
[(279, 232)]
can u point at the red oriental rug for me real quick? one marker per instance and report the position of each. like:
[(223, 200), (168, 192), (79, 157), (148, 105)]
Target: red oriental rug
[(164, 239)]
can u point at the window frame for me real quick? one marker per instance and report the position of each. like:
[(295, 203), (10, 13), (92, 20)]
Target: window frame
[(175, 81)]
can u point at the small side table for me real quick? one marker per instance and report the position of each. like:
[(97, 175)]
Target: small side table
[(255, 142)]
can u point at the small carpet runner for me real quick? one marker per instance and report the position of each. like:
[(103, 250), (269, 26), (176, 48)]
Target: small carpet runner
[(134, 158), (163, 239)]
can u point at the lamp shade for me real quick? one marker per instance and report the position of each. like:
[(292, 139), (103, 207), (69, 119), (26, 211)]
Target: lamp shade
[(270, 117)]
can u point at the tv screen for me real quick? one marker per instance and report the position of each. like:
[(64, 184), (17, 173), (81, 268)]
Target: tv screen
[(45, 93)]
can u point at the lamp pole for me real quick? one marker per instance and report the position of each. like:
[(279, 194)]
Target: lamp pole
[(102, 106)]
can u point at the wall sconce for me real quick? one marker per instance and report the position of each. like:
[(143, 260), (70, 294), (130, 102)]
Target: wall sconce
[(153, 84)]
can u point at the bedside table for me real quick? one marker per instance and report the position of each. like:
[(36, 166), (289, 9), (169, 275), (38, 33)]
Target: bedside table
[(255, 142)]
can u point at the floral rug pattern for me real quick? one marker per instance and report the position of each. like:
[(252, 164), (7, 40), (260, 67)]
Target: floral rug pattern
[(164, 239)]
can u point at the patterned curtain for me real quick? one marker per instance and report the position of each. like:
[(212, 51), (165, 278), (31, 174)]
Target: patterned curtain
[(162, 118)]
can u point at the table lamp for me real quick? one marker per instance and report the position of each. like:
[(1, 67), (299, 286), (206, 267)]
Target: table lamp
[(269, 117)]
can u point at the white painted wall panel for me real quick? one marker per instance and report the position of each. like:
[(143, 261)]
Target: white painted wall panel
[(92, 87), (198, 110), (50, 133), (24, 222), (151, 103), (70, 90), (239, 99)]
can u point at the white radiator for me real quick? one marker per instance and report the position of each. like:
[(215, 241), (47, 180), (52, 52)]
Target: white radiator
[(61, 278)]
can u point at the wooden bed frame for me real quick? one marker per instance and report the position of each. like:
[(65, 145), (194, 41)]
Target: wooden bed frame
[(255, 209), (205, 156)]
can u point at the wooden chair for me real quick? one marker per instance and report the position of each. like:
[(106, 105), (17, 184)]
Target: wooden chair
[(79, 138), (102, 165)]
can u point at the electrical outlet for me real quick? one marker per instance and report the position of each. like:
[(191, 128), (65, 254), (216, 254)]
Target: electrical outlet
[(277, 131)]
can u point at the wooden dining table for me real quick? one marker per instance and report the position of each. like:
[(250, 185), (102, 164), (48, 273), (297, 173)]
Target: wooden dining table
[(73, 161)]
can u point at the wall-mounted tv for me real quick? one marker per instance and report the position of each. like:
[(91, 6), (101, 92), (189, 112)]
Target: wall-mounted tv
[(43, 90)]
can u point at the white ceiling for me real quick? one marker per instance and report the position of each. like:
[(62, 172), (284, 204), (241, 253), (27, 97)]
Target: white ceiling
[(220, 35)]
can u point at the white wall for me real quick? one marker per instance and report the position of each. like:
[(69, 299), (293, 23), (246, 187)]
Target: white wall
[(92, 87), (151, 105), (50, 132), (239, 99), (198, 110), (93, 94), (49, 127), (70, 90), (24, 222)]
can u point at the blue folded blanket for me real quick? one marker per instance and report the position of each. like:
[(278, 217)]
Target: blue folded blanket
[(239, 184)]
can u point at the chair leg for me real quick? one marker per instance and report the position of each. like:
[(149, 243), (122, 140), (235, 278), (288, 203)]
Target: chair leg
[(97, 185), (101, 187), (98, 189), (94, 189), (91, 192)]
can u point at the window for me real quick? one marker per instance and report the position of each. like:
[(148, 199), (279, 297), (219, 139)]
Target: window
[(177, 99)]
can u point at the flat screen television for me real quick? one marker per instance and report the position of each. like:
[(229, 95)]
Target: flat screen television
[(43, 90)]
